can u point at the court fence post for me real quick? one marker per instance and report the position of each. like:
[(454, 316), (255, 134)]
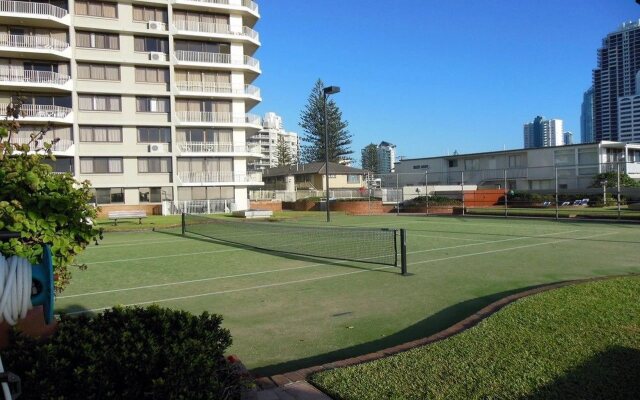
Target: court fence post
[(184, 224), (403, 251), (557, 205), (426, 190), (462, 187), (397, 195), (618, 184), (506, 195)]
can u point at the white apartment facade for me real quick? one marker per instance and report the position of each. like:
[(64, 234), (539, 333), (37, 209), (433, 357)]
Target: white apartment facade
[(268, 138), (150, 99), (523, 169), (543, 133), (386, 154)]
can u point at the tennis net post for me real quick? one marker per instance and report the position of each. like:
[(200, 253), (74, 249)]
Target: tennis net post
[(403, 252), (184, 225)]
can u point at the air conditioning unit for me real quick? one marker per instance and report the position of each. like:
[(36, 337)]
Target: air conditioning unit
[(155, 148), (155, 25), (157, 56)]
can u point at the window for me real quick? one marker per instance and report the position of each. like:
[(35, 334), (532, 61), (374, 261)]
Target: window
[(152, 104), (587, 156), (97, 8), (205, 193), (101, 134), (154, 165), (145, 14), (416, 167), (152, 75), (154, 194), (564, 157), (517, 161), (453, 163), (94, 40), (102, 72), (142, 43), (100, 165), (154, 134), (108, 195), (353, 178), (99, 103), (472, 165), (206, 47), (220, 136)]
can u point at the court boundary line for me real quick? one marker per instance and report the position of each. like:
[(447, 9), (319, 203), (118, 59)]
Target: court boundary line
[(334, 275)]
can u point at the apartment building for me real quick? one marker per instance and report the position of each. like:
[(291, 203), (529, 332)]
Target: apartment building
[(150, 99), (543, 133), (268, 139)]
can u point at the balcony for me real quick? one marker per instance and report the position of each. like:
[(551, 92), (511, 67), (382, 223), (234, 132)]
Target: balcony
[(223, 60), (25, 9), (44, 113), (218, 118), (224, 30), (34, 44), (61, 147), (13, 76), (208, 178), (245, 6), (218, 89), (222, 149)]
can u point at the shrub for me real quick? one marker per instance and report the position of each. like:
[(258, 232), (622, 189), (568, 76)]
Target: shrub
[(46, 208), (434, 200), (127, 353)]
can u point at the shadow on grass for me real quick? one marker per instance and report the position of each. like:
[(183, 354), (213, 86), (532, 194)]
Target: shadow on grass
[(611, 374), (373, 267), (427, 327)]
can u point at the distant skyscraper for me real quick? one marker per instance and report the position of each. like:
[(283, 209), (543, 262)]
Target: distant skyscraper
[(543, 133), (629, 115), (386, 157), (568, 137), (618, 63), (267, 138), (586, 117)]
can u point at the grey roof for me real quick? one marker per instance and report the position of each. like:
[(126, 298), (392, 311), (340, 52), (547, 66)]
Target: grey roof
[(312, 168)]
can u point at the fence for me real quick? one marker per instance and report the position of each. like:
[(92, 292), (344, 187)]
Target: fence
[(605, 190), (197, 207)]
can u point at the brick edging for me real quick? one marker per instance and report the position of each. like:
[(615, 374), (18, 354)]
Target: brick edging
[(469, 322)]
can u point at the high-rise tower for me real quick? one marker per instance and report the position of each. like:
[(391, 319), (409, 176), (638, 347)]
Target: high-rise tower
[(149, 98), (618, 63)]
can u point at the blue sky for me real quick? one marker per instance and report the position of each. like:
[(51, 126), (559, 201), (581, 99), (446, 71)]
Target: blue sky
[(435, 76)]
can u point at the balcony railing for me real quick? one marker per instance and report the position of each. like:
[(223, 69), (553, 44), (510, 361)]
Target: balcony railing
[(216, 58), (197, 207), (41, 111), (207, 147), (215, 87), (222, 29), (26, 7), (218, 117), (13, 74), (32, 42), (61, 145), (253, 6), (218, 177)]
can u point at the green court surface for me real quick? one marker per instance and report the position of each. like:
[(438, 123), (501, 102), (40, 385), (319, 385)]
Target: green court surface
[(287, 312)]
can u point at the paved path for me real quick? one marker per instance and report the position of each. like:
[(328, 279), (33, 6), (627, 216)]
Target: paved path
[(301, 390)]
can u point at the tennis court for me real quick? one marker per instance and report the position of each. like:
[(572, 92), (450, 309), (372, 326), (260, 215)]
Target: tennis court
[(288, 311)]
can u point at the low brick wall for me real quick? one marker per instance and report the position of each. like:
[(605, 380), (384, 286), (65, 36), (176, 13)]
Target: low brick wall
[(442, 210), (273, 205), (358, 207), (304, 205), (150, 209)]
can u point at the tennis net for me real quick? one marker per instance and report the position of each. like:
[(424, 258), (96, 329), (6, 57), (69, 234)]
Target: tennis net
[(377, 246)]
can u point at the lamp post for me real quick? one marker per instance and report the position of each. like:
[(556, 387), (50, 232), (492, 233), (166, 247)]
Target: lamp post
[(329, 90)]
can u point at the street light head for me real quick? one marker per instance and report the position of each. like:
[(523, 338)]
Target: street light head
[(331, 90)]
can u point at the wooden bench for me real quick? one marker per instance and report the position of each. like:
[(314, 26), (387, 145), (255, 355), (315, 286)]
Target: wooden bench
[(116, 215)]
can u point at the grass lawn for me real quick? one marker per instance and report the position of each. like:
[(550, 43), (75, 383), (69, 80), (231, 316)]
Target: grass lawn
[(578, 342), (287, 312)]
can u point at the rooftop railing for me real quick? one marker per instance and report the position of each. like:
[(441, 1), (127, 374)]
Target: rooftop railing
[(15, 74), (27, 7), (216, 87), (216, 58), (32, 42), (252, 5)]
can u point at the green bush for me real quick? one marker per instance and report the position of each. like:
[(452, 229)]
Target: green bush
[(46, 208), (127, 353), (434, 200)]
